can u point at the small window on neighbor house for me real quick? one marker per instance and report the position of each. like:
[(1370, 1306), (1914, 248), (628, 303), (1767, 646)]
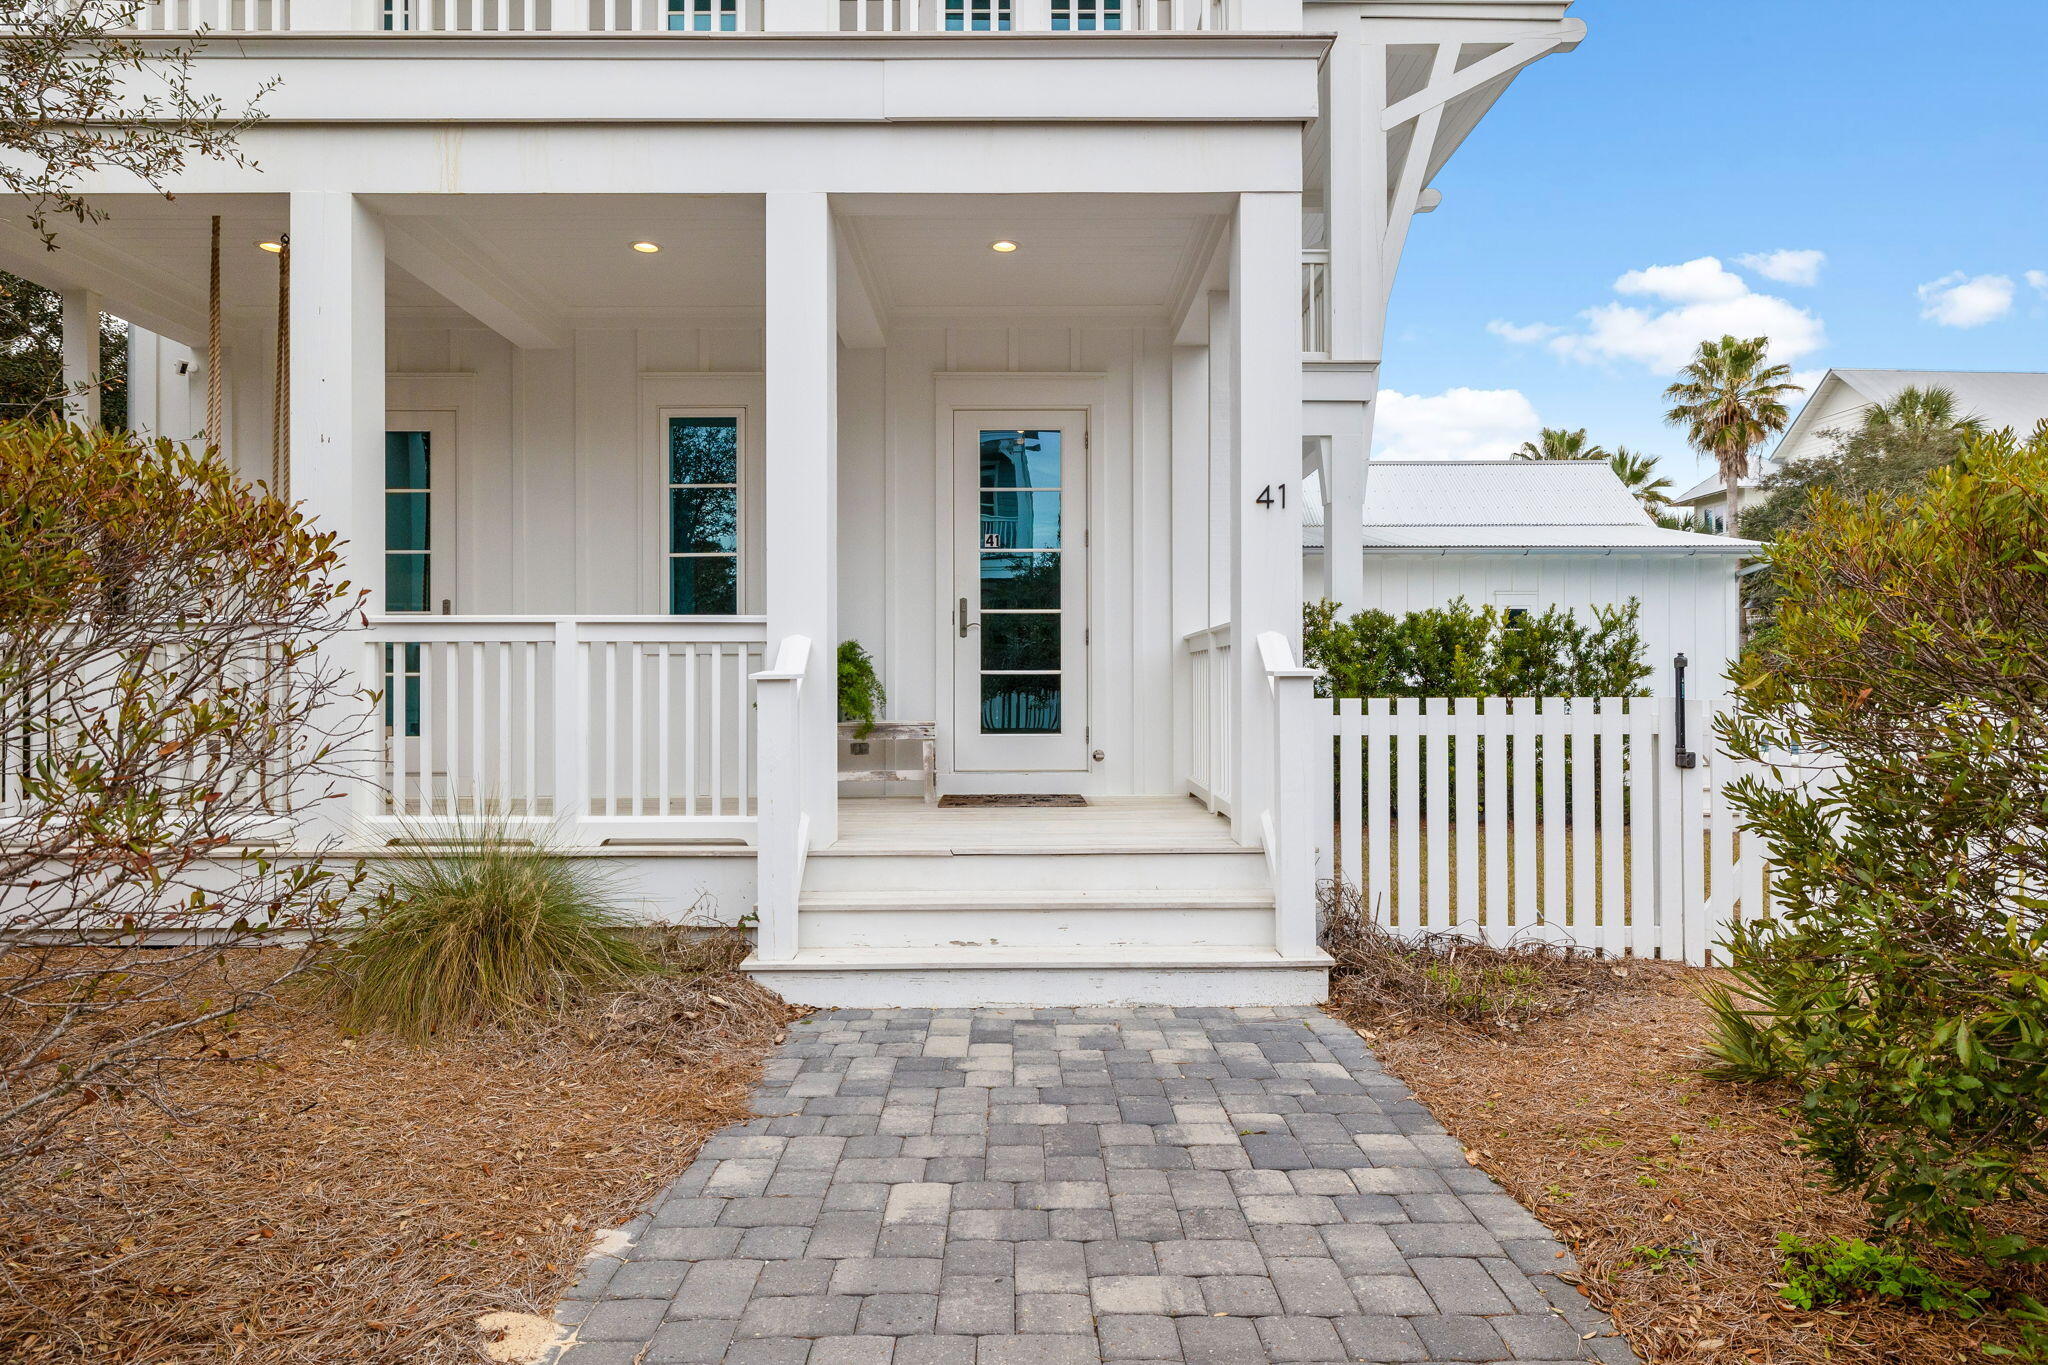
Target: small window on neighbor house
[(1515, 604), (703, 516)]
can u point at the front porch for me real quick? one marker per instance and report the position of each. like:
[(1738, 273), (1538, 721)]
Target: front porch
[(638, 463)]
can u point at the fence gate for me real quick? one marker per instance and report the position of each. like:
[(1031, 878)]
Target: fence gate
[(1589, 820)]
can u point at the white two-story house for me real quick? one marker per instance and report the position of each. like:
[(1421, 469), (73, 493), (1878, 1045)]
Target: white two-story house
[(644, 350)]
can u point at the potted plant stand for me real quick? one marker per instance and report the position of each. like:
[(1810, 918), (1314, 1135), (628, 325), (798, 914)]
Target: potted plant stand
[(853, 744)]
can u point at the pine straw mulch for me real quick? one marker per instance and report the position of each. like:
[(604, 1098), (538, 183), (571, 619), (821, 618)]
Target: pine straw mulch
[(1672, 1189), (363, 1199)]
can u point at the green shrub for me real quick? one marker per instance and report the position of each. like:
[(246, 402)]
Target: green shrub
[(1906, 983), (1841, 1269), (861, 696), (485, 931), (1459, 650), (1741, 1038)]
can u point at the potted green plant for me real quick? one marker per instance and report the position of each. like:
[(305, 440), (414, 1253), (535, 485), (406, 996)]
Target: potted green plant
[(861, 695)]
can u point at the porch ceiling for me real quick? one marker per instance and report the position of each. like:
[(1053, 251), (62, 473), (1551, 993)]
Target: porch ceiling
[(532, 267), (1132, 258)]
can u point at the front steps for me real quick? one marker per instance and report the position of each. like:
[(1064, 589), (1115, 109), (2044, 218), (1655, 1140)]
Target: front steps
[(1096, 915)]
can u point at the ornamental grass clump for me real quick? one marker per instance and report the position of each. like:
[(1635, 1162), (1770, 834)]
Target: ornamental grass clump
[(488, 931)]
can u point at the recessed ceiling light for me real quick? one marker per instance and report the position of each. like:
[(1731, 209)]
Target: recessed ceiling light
[(648, 247), (1004, 246), (272, 247)]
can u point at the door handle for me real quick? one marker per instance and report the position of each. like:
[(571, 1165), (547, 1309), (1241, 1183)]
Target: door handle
[(965, 624)]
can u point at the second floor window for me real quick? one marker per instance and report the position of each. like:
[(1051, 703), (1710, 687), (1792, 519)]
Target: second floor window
[(703, 516)]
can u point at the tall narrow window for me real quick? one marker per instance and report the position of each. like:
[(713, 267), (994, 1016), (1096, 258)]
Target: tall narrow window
[(703, 516), (408, 558), (408, 521), (1021, 549)]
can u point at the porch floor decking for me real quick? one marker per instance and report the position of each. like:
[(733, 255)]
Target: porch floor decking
[(1117, 824)]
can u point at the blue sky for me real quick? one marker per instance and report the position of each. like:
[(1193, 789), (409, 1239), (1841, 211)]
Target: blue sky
[(1906, 144)]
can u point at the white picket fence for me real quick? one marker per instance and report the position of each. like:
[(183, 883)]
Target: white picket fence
[(1572, 820)]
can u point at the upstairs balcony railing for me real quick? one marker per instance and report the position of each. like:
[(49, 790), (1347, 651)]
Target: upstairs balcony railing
[(686, 16), (1315, 304)]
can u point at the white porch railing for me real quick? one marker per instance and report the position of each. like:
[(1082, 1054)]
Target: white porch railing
[(1212, 705), (1315, 303), (785, 830), (686, 16), (1288, 827), (617, 728), (1033, 16)]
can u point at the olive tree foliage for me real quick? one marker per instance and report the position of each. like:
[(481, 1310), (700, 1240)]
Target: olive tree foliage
[(166, 705), (81, 97), (1905, 985)]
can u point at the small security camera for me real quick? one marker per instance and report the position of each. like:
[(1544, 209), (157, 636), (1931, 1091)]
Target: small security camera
[(184, 367)]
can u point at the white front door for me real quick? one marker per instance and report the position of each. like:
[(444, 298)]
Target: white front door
[(1020, 592)]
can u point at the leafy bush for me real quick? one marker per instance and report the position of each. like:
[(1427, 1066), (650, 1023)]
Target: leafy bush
[(486, 931), (1459, 650), (166, 695), (1841, 1269), (1906, 984), (861, 696)]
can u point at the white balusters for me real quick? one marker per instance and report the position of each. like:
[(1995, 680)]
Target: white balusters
[(612, 727)]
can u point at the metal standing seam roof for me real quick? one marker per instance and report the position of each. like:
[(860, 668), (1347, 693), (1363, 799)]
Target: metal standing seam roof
[(1503, 506)]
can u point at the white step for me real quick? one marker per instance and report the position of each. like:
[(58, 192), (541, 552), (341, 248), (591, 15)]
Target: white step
[(1098, 918), (972, 873), (945, 978)]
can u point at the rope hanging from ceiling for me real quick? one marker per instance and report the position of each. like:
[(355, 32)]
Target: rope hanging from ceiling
[(281, 387), (214, 434)]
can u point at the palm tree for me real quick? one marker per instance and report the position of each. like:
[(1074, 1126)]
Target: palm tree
[(1916, 414), (1638, 473), (1731, 400), (1555, 443)]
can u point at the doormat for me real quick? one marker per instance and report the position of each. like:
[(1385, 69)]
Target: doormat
[(1022, 799)]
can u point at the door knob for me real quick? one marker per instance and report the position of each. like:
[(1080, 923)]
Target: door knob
[(965, 624)]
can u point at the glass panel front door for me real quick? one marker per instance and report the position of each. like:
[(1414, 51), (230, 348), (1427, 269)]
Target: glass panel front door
[(1017, 623)]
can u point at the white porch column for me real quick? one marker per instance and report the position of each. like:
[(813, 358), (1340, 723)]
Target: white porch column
[(1355, 204), (1344, 491), (337, 397), (1265, 589), (801, 572), (337, 373), (81, 356)]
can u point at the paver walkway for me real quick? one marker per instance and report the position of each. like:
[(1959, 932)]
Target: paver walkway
[(1053, 1187)]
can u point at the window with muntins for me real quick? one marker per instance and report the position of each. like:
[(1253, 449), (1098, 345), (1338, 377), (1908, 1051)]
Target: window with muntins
[(408, 559), (703, 516)]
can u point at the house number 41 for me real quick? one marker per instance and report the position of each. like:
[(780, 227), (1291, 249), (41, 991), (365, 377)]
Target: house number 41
[(1265, 498)]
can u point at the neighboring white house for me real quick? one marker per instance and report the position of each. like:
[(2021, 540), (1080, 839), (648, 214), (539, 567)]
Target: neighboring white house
[(2002, 398), (642, 352), (1534, 534)]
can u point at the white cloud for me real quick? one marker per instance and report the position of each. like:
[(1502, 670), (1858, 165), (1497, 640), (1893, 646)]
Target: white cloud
[(1808, 381), (1457, 424), (1704, 280), (1786, 267), (1959, 300), (2038, 279), (1699, 300), (1521, 334)]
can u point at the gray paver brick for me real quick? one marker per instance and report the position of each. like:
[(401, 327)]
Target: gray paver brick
[(1060, 1187)]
